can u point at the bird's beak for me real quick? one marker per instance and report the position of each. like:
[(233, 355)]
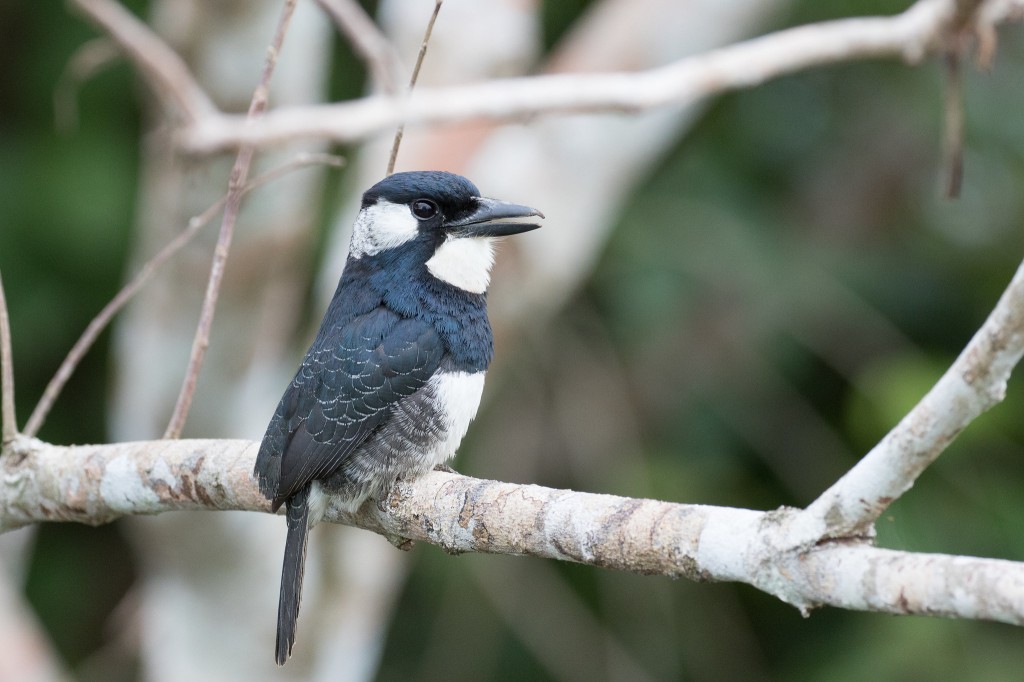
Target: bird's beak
[(494, 218)]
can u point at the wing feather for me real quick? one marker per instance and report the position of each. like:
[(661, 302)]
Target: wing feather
[(346, 387)]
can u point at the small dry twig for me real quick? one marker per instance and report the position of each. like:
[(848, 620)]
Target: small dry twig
[(86, 62), (10, 429), (239, 173), (412, 84), (953, 131), (128, 292)]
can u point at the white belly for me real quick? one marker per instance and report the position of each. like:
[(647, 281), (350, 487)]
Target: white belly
[(458, 397)]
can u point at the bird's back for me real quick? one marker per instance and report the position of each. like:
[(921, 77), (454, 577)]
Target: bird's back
[(381, 392)]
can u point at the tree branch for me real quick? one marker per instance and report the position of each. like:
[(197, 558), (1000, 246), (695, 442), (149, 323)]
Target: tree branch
[(922, 29), (86, 62), (7, 412), (98, 483)]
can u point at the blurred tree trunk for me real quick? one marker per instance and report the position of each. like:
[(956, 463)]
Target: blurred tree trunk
[(208, 595)]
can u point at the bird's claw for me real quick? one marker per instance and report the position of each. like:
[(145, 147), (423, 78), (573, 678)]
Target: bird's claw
[(404, 544)]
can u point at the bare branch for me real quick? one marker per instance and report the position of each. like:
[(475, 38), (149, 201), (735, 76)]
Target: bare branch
[(163, 69), (98, 483), (128, 292), (236, 183), (372, 46), (905, 583), (86, 61), (911, 35), (974, 382), (412, 84), (10, 428), (953, 130)]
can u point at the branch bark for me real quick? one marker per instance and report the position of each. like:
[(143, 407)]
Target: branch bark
[(98, 483)]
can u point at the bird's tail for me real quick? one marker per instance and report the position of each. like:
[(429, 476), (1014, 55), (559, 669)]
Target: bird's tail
[(291, 572)]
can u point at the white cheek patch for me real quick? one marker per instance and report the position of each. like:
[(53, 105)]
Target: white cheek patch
[(464, 263), (382, 226)]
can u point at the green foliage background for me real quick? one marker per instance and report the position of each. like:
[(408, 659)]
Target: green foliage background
[(777, 293)]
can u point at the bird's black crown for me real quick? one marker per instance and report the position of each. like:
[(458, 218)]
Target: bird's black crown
[(448, 190)]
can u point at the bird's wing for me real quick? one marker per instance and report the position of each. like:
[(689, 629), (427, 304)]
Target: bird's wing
[(347, 385)]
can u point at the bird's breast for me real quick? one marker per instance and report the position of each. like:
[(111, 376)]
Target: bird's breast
[(422, 431), (456, 399)]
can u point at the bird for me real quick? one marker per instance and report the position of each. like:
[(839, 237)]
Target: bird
[(395, 373)]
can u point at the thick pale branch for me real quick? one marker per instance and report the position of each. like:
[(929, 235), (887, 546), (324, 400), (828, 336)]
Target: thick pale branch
[(911, 35), (925, 27), (96, 484), (889, 581)]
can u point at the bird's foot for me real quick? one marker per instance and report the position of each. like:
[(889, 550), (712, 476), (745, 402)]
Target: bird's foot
[(404, 544), (445, 468)]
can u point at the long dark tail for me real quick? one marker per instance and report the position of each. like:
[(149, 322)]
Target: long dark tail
[(291, 572)]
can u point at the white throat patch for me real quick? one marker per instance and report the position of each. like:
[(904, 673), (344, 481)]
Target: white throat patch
[(382, 226), (464, 263)]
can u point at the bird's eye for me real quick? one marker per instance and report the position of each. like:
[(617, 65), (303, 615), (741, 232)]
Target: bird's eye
[(424, 209)]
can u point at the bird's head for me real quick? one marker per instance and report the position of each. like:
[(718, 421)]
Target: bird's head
[(442, 219)]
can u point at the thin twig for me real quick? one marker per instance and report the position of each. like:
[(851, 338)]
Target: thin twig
[(86, 62), (412, 84), (239, 173), (367, 40), (953, 131), (128, 292), (10, 429), (165, 71)]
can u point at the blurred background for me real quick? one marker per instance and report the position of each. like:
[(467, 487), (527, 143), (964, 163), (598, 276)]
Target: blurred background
[(728, 304)]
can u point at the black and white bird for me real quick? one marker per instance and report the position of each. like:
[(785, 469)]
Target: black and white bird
[(395, 374)]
